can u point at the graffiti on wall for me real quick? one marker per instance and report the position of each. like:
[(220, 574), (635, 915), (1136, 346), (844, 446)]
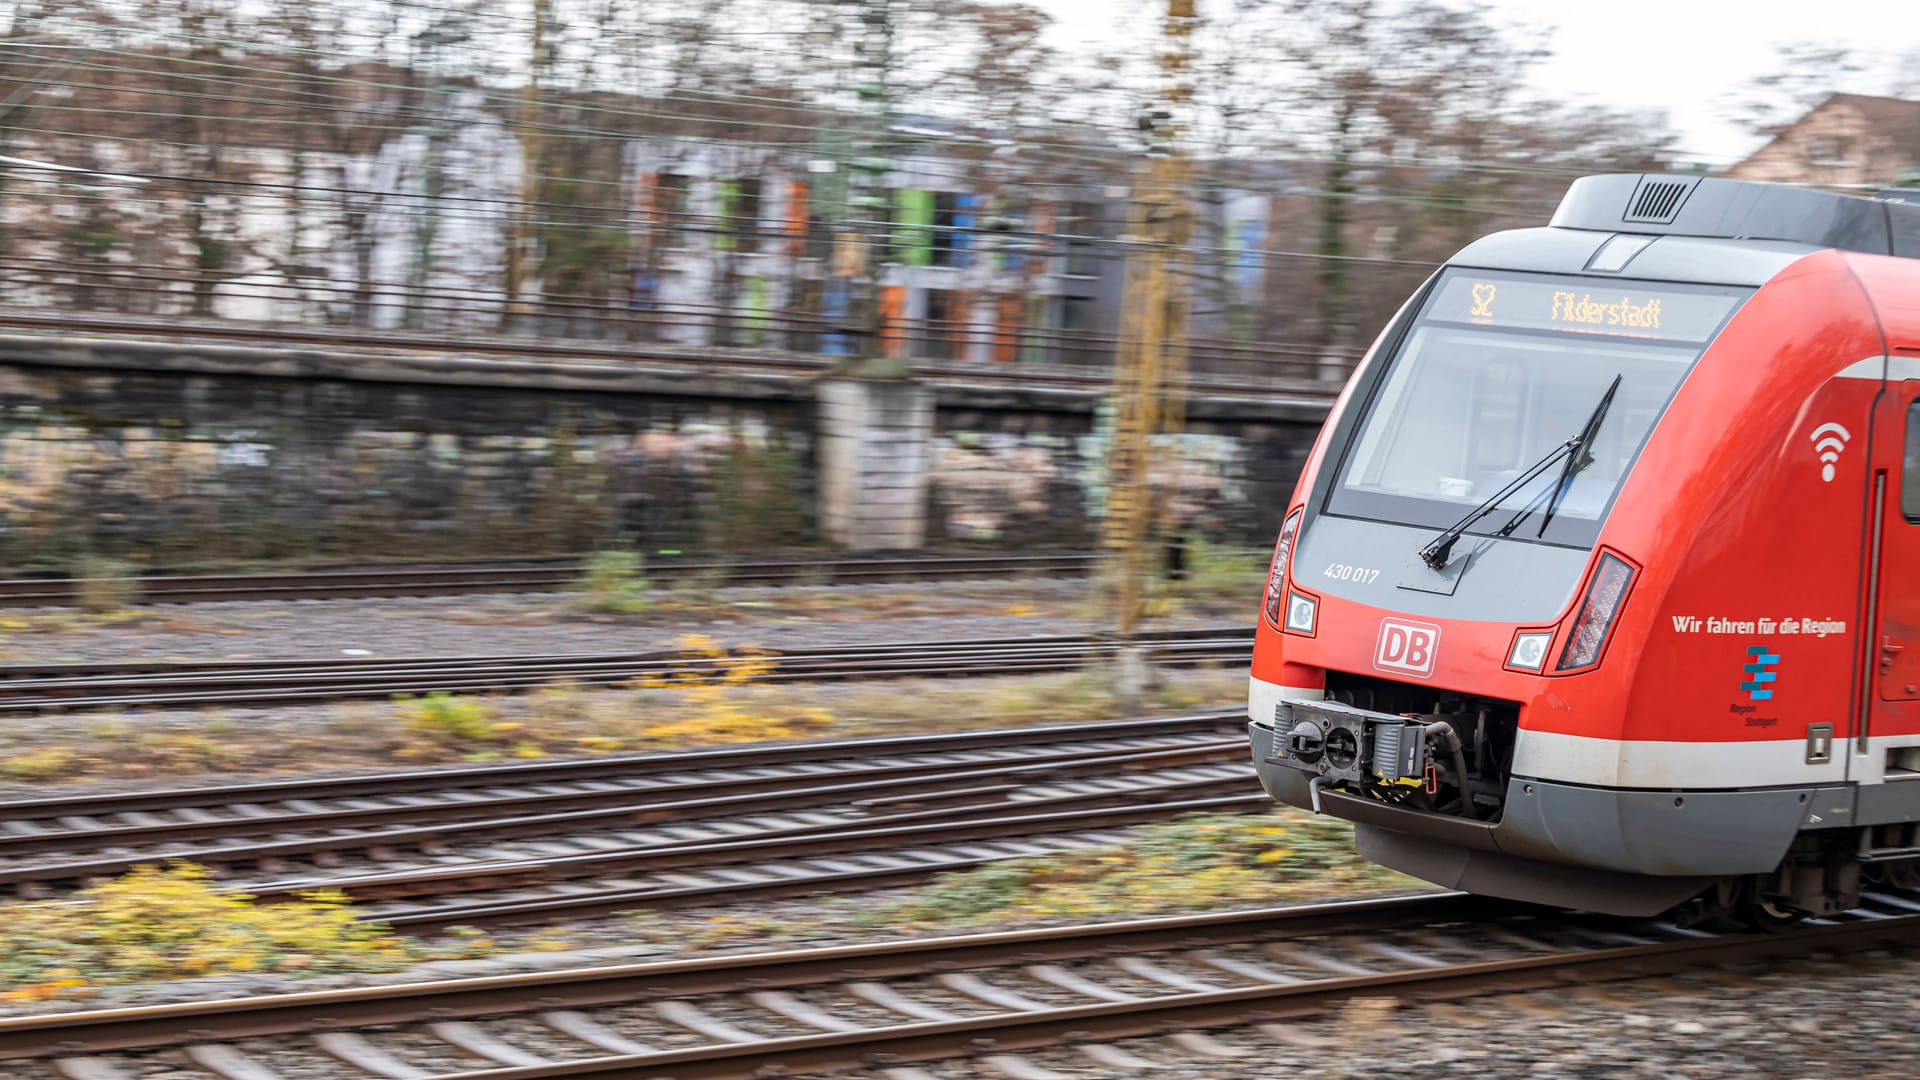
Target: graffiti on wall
[(388, 476)]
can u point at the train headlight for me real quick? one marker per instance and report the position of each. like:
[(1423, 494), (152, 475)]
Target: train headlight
[(1277, 577), (1605, 594), (1301, 612), (1530, 650)]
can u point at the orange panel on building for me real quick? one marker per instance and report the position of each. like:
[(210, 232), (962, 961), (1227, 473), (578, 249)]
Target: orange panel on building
[(893, 320), (644, 186), (1006, 329), (960, 324), (796, 218), (1042, 226)]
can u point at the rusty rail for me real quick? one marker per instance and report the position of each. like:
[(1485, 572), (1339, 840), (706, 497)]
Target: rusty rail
[(547, 576), (36, 689), (650, 831), (96, 1031), (1256, 993)]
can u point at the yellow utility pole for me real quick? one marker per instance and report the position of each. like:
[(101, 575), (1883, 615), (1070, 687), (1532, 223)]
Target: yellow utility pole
[(1150, 367)]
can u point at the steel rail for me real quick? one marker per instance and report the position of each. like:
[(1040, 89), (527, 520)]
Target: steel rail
[(157, 1026), (10, 674), (946, 814), (559, 576), (934, 666), (303, 681), (1027, 1030), (520, 810), (799, 862), (1260, 994), (736, 759), (938, 837), (514, 670)]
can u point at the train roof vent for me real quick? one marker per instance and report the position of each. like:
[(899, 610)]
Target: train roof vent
[(1658, 199), (1669, 204)]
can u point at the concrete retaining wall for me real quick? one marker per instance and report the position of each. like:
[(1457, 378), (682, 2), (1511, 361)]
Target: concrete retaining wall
[(179, 454)]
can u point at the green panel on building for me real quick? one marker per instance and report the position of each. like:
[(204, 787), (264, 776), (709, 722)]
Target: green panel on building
[(723, 238), (913, 232)]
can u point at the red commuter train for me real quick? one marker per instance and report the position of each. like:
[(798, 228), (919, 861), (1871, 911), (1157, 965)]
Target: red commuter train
[(1601, 586)]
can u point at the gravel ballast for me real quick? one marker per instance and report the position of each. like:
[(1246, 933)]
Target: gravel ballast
[(543, 623)]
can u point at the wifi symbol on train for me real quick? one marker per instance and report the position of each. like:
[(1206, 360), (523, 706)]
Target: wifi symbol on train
[(1828, 441)]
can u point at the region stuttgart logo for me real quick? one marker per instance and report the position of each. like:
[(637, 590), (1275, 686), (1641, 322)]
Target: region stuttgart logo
[(1406, 648)]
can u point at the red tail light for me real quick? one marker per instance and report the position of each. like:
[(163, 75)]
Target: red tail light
[(1277, 577), (1605, 594)]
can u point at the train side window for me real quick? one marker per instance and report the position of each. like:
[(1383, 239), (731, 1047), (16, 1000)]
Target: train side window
[(1910, 466)]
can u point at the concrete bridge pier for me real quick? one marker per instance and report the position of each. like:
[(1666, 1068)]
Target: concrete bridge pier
[(873, 455)]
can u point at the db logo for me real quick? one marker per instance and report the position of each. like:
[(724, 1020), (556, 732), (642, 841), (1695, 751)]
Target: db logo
[(1406, 647)]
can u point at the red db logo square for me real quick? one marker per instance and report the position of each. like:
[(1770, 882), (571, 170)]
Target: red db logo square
[(1406, 648)]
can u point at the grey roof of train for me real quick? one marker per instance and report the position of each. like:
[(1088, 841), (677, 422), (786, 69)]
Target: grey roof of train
[(1668, 258), (1729, 232)]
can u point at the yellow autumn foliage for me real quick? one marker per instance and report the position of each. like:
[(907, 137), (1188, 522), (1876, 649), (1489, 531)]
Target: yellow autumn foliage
[(714, 710), (154, 923), (46, 763)]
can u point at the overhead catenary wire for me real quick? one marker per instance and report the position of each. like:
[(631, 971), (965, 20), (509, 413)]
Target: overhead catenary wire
[(574, 131), (503, 95), (243, 118), (815, 57), (785, 103), (1477, 204), (713, 225)]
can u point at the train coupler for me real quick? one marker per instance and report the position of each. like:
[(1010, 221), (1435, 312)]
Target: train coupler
[(1341, 743)]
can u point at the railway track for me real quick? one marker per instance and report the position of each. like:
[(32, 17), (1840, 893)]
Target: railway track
[(545, 575), (887, 853), (424, 850), (44, 688), (1158, 983)]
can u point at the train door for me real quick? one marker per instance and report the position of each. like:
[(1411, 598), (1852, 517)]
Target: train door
[(1892, 647)]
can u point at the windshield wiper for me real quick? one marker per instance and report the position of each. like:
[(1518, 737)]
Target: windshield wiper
[(1582, 455), (1438, 550)]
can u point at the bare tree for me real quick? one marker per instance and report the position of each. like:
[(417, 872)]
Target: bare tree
[(1373, 128), (1381, 91), (1804, 74)]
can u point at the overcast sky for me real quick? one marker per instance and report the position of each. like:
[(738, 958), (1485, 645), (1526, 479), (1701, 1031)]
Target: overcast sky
[(1688, 58)]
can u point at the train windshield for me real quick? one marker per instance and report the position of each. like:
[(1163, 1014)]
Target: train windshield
[(1499, 370)]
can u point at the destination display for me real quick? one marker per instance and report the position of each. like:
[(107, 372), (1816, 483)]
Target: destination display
[(1582, 307)]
